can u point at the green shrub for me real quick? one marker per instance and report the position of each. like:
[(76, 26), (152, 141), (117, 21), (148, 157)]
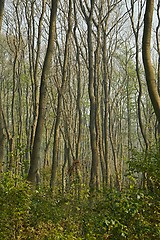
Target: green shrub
[(147, 163), (15, 206), (33, 215)]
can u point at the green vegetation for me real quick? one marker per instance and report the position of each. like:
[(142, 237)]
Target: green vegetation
[(79, 120), (132, 213)]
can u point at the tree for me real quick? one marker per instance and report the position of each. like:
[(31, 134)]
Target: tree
[(136, 27), (35, 156), (94, 179), (146, 54), (1, 117), (60, 99)]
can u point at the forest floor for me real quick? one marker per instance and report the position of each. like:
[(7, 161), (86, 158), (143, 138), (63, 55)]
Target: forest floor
[(27, 214)]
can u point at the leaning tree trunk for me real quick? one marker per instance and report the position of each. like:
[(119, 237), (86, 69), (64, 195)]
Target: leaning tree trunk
[(35, 155), (149, 71)]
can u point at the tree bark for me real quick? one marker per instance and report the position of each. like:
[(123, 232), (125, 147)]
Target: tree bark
[(35, 74), (146, 49), (35, 156), (60, 100), (1, 12), (106, 107), (1, 117), (94, 184)]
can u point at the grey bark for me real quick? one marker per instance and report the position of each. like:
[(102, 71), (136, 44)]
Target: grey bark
[(35, 155)]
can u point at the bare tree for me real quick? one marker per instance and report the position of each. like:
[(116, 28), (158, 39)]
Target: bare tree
[(94, 179), (35, 156), (61, 92)]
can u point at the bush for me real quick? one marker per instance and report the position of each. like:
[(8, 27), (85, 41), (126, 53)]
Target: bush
[(34, 215), (147, 163), (15, 207)]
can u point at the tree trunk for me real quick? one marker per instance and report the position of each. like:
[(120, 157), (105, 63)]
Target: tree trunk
[(35, 156), (1, 12), (149, 71), (1, 117), (106, 108), (94, 182), (35, 75), (60, 99)]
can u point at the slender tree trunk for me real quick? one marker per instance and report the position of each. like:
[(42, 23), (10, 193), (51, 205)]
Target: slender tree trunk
[(136, 29), (2, 138), (94, 182), (128, 116), (35, 156), (35, 75), (78, 101), (1, 117), (158, 74), (114, 150), (106, 102), (60, 100), (97, 90), (63, 168)]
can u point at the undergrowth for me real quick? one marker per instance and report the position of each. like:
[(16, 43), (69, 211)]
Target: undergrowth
[(27, 214)]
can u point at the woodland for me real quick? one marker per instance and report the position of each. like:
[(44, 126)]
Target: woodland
[(79, 119)]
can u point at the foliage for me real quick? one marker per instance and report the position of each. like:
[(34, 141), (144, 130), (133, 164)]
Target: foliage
[(26, 214), (15, 206), (148, 163)]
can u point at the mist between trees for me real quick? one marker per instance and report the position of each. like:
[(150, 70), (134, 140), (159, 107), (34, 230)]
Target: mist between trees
[(75, 108)]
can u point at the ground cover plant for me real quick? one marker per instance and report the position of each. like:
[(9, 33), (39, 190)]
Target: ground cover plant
[(27, 214)]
